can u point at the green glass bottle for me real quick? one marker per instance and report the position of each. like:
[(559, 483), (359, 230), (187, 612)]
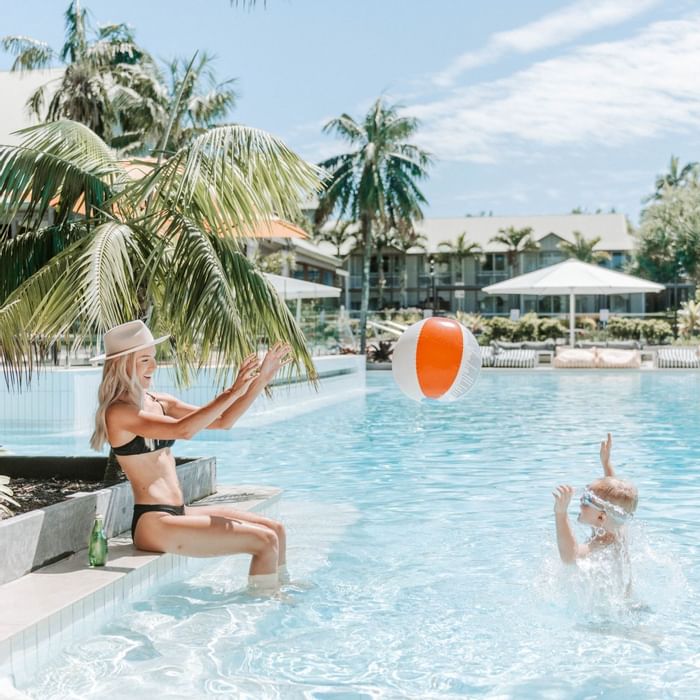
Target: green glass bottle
[(97, 547)]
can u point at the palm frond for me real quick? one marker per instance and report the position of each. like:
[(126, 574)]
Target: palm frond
[(212, 298), (229, 179), (30, 53), (59, 164)]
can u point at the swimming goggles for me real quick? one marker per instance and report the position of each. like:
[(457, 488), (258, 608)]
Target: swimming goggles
[(617, 513)]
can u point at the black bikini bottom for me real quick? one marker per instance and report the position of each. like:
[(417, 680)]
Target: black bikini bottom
[(141, 508)]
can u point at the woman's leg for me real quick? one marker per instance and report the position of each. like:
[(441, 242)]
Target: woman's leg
[(232, 513), (208, 535)]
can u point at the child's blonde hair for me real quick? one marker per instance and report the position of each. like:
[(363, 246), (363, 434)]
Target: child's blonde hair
[(617, 491), (118, 380)]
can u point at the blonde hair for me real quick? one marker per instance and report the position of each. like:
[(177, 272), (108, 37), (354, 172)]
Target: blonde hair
[(118, 382), (617, 491)]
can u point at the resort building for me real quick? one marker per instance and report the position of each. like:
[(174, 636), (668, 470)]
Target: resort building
[(437, 277)]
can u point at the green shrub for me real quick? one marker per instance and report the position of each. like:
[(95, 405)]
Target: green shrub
[(655, 331), (500, 328), (623, 328), (526, 328), (552, 328)]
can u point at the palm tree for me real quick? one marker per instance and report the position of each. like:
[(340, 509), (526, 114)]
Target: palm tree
[(405, 239), (675, 177), (461, 249), (195, 102), (105, 78), (161, 248), (516, 241), (583, 249), (376, 182), (338, 236)]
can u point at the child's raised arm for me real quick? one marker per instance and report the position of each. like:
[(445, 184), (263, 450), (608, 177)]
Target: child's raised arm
[(569, 548), (605, 449)]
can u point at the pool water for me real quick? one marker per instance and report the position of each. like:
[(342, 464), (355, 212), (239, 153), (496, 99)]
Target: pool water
[(423, 551)]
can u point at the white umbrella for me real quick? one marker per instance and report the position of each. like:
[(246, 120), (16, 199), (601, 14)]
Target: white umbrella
[(573, 277), (292, 288)]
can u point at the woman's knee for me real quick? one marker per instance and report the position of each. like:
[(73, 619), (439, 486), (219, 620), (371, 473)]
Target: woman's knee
[(266, 540)]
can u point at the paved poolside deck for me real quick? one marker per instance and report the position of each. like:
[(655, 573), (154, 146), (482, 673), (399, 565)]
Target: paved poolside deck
[(52, 606)]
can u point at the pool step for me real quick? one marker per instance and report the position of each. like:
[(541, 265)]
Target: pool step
[(53, 606)]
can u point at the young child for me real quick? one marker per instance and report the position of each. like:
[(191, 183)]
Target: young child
[(606, 505)]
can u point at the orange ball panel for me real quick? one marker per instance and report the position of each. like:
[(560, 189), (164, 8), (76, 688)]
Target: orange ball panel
[(438, 356)]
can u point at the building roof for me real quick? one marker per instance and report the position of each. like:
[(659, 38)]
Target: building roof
[(612, 229), (15, 90)]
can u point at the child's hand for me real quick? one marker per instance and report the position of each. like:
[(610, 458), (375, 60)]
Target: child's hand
[(605, 449), (562, 497)]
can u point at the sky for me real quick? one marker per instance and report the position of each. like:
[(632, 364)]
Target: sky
[(527, 108)]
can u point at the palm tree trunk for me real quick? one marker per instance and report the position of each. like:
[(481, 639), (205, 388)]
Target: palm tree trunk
[(366, 256), (380, 278), (404, 282)]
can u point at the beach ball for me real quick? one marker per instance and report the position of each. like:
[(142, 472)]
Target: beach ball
[(436, 358)]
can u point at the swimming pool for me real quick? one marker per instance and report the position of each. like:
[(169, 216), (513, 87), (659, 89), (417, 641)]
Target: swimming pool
[(426, 534)]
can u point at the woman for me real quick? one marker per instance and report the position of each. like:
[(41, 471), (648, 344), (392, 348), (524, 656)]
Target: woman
[(141, 427)]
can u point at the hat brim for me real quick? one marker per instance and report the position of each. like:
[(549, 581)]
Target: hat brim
[(104, 356)]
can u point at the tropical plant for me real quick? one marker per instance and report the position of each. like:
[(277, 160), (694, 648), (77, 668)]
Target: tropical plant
[(108, 79), (375, 183), (195, 101), (667, 242), (6, 496), (676, 176), (551, 328), (689, 316), (337, 236), (163, 248), (381, 351), (516, 241), (461, 248), (583, 249), (473, 322)]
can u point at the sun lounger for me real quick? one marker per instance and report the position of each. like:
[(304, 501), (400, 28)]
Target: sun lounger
[(608, 358), (575, 358), (515, 358), (677, 358), (486, 356)]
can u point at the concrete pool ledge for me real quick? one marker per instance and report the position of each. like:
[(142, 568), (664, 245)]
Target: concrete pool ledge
[(51, 607)]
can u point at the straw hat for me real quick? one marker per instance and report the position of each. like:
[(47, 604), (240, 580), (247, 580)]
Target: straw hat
[(126, 338)]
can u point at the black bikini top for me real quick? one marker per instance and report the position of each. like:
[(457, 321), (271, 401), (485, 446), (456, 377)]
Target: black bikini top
[(138, 446)]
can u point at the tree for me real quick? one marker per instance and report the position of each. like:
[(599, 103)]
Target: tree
[(583, 249), (161, 248), (516, 241), (106, 77), (667, 243), (676, 176), (462, 248), (375, 183), (338, 236), (405, 239), (195, 101)]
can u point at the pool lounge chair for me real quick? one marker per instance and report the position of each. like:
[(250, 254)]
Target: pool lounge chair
[(677, 358), (609, 358), (486, 355), (575, 358), (523, 359)]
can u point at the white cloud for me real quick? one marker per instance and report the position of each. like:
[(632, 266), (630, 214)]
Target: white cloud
[(554, 29), (608, 93)]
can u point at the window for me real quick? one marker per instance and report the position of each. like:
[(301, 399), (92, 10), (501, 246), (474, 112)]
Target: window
[(494, 262)]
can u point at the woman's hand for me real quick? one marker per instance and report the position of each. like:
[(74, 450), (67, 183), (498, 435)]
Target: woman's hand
[(277, 356), (562, 497), (247, 372)]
